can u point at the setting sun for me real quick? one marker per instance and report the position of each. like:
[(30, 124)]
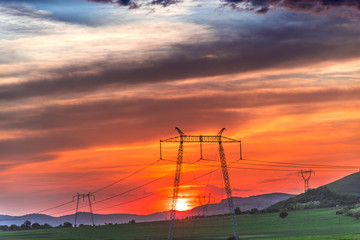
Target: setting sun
[(182, 205)]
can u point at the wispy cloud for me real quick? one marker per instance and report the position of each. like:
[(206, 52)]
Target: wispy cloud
[(272, 180)]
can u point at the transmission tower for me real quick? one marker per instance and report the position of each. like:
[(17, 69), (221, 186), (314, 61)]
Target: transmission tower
[(201, 139), (84, 196), (204, 201), (306, 175)]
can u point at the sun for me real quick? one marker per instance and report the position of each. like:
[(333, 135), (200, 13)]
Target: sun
[(182, 205)]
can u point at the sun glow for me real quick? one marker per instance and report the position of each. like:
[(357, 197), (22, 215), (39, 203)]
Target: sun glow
[(182, 205)]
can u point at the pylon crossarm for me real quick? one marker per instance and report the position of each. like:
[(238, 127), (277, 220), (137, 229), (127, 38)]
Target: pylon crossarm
[(199, 138)]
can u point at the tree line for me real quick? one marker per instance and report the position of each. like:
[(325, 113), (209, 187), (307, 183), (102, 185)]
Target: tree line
[(27, 225)]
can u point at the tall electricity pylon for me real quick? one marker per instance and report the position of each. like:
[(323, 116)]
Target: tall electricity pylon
[(306, 175), (88, 196), (201, 139)]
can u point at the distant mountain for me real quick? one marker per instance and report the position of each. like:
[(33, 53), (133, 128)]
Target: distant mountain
[(349, 184), (244, 203)]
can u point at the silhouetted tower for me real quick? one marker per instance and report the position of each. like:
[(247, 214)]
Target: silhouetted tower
[(201, 139), (204, 201), (84, 196), (306, 175)]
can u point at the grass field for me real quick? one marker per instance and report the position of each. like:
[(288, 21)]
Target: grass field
[(307, 224)]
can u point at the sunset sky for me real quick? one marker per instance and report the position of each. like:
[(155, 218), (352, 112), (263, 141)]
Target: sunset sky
[(88, 88)]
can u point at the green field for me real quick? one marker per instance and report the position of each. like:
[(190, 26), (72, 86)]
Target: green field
[(307, 224)]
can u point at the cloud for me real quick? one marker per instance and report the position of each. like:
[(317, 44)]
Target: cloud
[(101, 60), (259, 6), (272, 48), (57, 128), (314, 6), (241, 190), (24, 10), (134, 4), (272, 180), (131, 4)]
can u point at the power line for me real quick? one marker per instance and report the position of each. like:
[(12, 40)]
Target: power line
[(265, 169), (302, 164), (98, 190), (140, 186), (45, 210), (272, 164), (61, 205), (155, 193), (124, 178)]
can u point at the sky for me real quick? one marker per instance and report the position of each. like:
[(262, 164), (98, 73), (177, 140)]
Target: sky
[(88, 88)]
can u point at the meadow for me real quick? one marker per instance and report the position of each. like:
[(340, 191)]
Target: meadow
[(306, 224)]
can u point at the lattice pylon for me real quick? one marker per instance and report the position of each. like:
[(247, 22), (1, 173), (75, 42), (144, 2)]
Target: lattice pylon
[(84, 196), (306, 175), (202, 139)]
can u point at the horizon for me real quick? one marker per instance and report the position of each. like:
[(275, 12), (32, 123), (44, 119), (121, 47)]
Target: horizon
[(88, 88), (88, 212)]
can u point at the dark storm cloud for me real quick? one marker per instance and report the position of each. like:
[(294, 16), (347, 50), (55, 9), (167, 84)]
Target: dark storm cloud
[(164, 3), (131, 4), (103, 122), (315, 6), (259, 6), (269, 47), (134, 4)]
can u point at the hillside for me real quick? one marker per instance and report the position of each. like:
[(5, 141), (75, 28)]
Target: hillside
[(314, 198), (349, 184)]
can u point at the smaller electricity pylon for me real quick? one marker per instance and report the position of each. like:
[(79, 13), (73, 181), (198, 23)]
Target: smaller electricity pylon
[(83, 196), (306, 175), (204, 201)]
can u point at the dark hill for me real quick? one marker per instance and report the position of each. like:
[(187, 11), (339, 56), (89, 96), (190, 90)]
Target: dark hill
[(314, 198), (339, 192), (349, 184)]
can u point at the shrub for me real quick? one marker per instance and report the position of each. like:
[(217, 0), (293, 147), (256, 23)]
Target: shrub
[(283, 214), (4, 228), (237, 211), (35, 226), (67, 225), (254, 211), (14, 227), (46, 226)]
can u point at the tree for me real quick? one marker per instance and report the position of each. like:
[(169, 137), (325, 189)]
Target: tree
[(26, 225), (4, 228), (132, 221), (254, 211), (46, 226), (237, 211), (14, 227), (36, 226), (283, 214), (67, 225)]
